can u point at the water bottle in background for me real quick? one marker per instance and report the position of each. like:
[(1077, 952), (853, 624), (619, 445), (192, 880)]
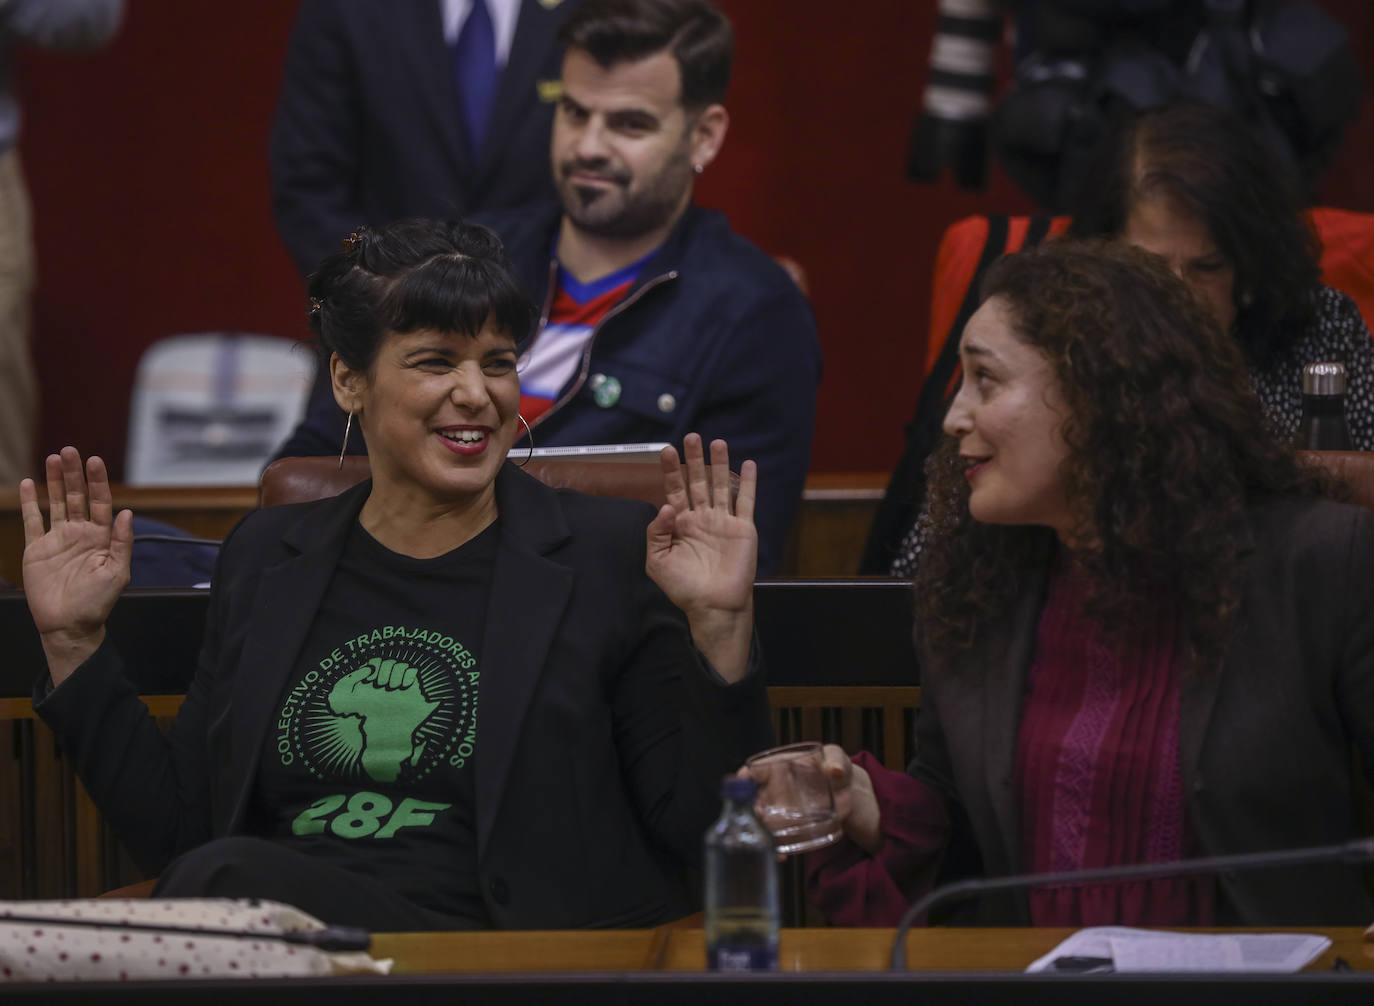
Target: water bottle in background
[(741, 886), (1323, 426)]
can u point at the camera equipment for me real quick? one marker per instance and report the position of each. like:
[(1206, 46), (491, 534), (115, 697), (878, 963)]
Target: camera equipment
[(1286, 67)]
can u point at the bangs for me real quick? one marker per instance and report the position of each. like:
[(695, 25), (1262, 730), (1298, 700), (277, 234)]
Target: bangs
[(458, 293)]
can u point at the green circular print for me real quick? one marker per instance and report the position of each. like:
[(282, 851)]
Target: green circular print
[(389, 706)]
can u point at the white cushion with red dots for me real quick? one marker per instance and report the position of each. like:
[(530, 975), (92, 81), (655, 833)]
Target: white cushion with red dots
[(52, 951)]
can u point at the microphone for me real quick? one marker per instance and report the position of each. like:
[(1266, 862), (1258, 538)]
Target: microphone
[(1357, 851), (330, 938)]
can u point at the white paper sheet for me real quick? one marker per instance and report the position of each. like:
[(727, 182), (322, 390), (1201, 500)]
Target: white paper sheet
[(1124, 950)]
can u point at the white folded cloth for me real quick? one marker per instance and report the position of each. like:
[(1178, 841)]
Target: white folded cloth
[(57, 950)]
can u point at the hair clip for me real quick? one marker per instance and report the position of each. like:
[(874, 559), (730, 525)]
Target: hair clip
[(316, 306), (351, 242)]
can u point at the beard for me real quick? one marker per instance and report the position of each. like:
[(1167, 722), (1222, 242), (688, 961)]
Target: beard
[(616, 211)]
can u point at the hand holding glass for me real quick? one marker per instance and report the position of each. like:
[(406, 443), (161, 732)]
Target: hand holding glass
[(794, 799)]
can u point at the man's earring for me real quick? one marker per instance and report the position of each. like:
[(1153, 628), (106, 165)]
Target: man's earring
[(348, 428)]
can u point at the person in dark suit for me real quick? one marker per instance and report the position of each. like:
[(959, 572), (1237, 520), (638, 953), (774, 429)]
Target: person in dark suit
[(375, 118), (451, 697), (1145, 634)]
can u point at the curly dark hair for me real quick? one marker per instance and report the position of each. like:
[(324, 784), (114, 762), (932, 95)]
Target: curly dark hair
[(1167, 444), (1212, 165)]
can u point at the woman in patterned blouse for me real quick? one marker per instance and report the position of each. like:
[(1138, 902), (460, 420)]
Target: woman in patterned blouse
[(1194, 184)]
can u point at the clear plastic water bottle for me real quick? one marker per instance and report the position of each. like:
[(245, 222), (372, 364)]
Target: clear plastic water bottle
[(741, 886)]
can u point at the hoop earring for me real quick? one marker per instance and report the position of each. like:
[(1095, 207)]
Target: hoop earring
[(348, 428), (529, 433)]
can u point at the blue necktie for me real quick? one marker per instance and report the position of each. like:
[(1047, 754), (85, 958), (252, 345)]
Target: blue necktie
[(474, 67)]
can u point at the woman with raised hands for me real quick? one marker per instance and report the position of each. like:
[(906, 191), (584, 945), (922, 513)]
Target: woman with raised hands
[(450, 697), (1144, 634)]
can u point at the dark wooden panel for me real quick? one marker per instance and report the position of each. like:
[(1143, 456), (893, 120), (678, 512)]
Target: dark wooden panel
[(812, 632), (838, 657), (11, 812)]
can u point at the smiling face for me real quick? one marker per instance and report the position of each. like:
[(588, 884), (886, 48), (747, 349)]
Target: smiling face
[(623, 145), (438, 410), (1158, 224), (1008, 418)]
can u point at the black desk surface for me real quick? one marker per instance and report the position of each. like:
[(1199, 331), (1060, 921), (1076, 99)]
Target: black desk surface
[(698, 989), (812, 632)]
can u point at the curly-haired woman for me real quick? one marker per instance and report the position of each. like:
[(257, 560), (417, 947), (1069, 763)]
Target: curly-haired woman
[(1193, 184), (1145, 634)]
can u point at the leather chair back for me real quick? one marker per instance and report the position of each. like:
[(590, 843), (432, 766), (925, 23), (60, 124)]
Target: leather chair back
[(299, 480)]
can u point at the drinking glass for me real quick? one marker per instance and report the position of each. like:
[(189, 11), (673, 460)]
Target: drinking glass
[(794, 799)]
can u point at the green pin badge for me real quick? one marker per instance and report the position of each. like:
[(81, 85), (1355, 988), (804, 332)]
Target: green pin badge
[(605, 390)]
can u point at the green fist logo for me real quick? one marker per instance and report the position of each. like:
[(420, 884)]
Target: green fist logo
[(385, 695)]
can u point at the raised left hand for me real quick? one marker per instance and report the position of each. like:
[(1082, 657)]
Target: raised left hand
[(702, 551)]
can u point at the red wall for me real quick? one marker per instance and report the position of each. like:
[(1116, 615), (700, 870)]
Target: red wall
[(147, 163)]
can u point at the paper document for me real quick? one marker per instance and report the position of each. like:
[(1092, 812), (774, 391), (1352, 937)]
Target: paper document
[(1123, 950)]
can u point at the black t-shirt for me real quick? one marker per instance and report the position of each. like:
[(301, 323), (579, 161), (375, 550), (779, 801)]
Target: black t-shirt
[(369, 760)]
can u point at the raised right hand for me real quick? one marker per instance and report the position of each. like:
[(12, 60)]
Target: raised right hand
[(855, 802), (75, 570)]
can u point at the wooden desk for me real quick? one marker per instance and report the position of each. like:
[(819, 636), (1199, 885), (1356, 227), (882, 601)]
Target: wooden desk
[(800, 950), (204, 512), (832, 523), (827, 540), (837, 967), (524, 952)]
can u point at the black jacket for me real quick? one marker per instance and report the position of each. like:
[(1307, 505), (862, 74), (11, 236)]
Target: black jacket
[(1265, 740), (603, 737)]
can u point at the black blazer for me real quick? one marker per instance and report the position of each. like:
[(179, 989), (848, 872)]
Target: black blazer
[(1265, 739), (368, 127), (603, 736)]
